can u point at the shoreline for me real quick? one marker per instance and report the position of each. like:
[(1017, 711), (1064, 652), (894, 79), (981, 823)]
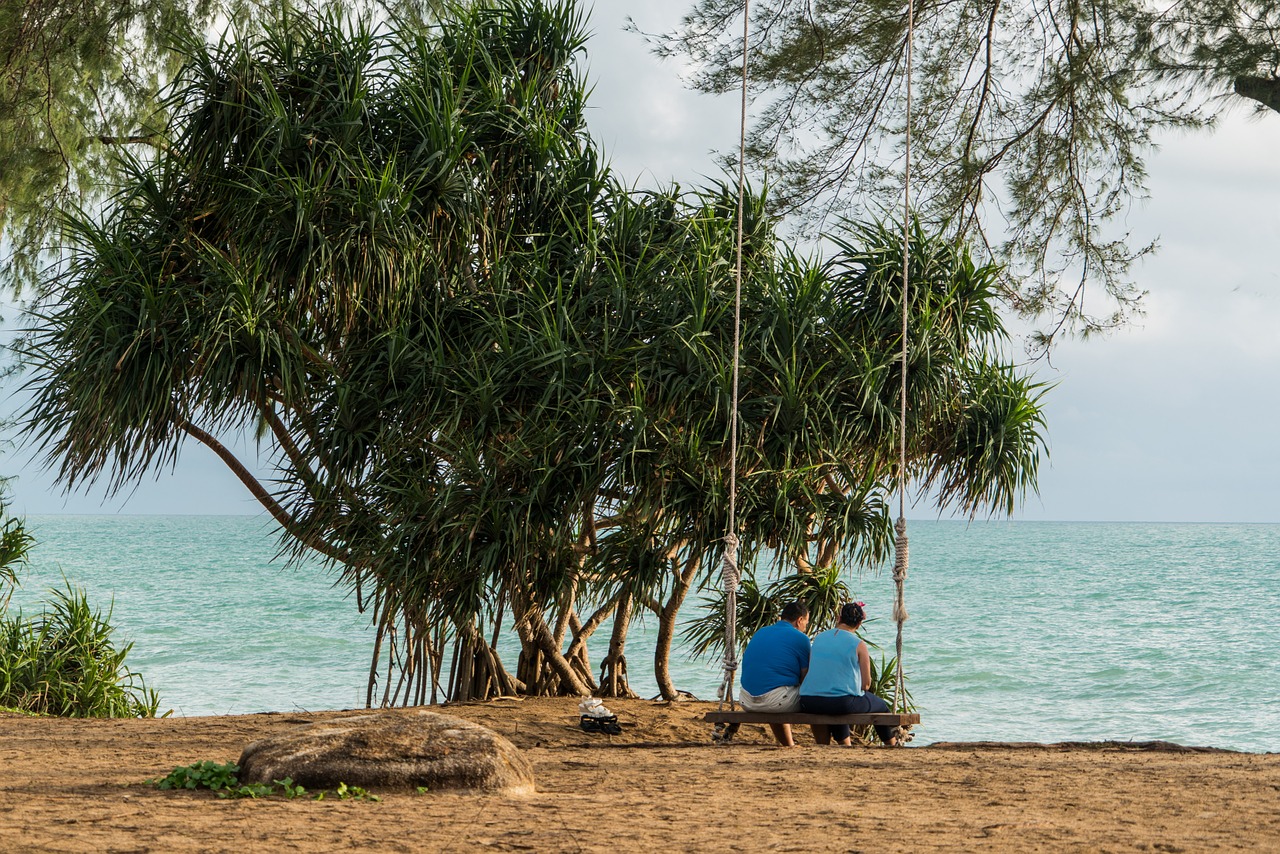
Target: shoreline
[(75, 785)]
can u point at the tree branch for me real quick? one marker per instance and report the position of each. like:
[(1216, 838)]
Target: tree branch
[(1264, 90), (152, 139), (589, 627), (261, 494)]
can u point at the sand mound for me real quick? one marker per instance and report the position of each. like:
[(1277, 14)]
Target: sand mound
[(390, 750)]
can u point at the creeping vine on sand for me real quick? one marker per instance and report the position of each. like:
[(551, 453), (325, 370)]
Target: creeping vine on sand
[(224, 780)]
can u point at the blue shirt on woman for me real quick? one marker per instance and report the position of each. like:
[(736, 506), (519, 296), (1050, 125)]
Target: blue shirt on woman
[(833, 666)]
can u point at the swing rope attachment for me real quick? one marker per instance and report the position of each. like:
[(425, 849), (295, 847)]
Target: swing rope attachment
[(730, 574), (729, 566)]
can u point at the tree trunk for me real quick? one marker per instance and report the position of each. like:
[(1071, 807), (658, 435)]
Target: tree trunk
[(543, 667), (577, 652), (582, 633), (613, 670), (667, 629), (571, 681), (662, 651), (478, 673), (1264, 90), (529, 665), (566, 612)]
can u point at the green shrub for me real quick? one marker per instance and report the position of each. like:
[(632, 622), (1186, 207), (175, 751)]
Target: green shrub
[(15, 542), (64, 663)]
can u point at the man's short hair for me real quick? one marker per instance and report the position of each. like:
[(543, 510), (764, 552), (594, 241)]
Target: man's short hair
[(793, 611)]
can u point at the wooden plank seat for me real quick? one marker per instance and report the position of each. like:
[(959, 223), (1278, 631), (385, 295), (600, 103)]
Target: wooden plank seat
[(728, 723), (870, 719)]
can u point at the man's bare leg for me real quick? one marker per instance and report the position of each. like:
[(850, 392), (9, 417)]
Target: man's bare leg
[(782, 732)]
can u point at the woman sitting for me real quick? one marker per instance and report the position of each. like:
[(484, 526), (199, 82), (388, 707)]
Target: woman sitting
[(839, 667)]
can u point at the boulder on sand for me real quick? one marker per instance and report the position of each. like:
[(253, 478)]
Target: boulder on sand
[(400, 749)]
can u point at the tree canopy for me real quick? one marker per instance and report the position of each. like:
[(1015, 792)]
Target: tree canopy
[(493, 381), (1031, 126), (75, 78), (81, 77)]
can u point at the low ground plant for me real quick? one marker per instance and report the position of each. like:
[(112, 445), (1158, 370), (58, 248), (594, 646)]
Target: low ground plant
[(224, 781)]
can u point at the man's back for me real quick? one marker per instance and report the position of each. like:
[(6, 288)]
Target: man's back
[(777, 655)]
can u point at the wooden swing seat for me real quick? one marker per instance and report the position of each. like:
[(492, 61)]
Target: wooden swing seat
[(866, 719)]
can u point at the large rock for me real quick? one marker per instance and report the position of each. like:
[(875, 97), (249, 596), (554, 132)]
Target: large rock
[(390, 749)]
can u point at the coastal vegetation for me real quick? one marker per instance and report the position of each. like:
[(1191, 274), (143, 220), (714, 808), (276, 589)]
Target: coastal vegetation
[(1035, 118), (64, 661), (493, 380)]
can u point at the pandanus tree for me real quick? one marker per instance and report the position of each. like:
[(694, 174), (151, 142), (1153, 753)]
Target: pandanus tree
[(494, 383)]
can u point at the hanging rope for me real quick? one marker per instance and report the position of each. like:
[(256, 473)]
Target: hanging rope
[(901, 548), (729, 568)]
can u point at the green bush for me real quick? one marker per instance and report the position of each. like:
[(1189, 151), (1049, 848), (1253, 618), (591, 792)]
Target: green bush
[(63, 663), (14, 544)]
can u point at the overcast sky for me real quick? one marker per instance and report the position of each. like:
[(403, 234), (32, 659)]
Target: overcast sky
[(1172, 419)]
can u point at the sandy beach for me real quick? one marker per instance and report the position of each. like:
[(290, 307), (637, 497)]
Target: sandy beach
[(77, 785)]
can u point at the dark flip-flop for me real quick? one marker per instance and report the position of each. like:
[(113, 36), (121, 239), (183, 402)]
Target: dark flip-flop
[(607, 725)]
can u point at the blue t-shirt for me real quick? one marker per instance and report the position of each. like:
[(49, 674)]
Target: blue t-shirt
[(775, 656), (833, 666)]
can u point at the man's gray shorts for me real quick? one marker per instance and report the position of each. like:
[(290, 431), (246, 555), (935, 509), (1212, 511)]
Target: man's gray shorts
[(781, 700)]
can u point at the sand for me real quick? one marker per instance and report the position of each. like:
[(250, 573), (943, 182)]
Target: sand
[(76, 786)]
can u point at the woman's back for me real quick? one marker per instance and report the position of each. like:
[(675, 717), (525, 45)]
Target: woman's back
[(833, 666)]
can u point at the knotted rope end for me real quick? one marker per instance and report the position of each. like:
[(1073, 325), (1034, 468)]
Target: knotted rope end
[(902, 550)]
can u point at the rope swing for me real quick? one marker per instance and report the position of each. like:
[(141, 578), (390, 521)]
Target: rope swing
[(900, 545), (729, 567), (730, 572)]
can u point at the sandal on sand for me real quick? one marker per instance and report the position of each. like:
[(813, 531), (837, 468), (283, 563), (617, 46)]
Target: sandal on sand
[(596, 718), (607, 724)]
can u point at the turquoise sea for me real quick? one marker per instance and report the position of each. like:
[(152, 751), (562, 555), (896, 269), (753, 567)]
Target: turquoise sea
[(1021, 631)]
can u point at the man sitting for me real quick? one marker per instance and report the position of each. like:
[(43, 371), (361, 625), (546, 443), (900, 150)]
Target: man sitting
[(773, 665)]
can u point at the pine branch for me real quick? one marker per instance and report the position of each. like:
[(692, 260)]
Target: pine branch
[(1264, 90)]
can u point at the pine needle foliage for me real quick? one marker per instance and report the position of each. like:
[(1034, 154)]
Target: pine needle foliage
[(1031, 127)]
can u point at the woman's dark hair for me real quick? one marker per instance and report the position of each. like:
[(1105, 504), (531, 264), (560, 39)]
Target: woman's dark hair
[(851, 614)]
